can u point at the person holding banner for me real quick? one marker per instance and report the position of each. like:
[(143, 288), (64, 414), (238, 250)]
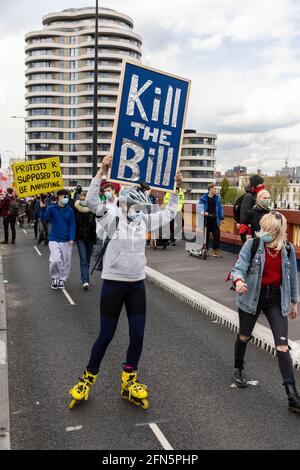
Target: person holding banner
[(61, 239), (123, 277)]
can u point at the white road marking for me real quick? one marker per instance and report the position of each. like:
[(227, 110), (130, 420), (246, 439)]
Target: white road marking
[(68, 296), (74, 428), (38, 252), (254, 383), (2, 353), (164, 442), (25, 232)]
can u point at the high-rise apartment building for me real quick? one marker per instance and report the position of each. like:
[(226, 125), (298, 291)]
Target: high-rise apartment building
[(60, 86), (197, 163)]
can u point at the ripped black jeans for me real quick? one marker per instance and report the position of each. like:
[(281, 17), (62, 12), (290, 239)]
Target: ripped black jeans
[(270, 304)]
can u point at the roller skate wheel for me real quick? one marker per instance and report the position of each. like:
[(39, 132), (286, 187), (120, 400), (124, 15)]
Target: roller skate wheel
[(72, 404), (145, 404)]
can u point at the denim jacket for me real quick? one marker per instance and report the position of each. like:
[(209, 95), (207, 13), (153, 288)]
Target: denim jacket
[(252, 275)]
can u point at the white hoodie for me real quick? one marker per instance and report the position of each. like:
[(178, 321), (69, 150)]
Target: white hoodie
[(125, 259)]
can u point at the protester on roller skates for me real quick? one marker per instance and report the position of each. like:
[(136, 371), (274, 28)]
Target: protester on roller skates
[(123, 277), (266, 279)]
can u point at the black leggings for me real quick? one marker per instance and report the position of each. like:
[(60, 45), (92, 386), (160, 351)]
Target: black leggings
[(270, 304), (9, 220), (114, 294)]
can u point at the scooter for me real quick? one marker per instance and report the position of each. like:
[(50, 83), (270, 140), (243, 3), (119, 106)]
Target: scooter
[(203, 252)]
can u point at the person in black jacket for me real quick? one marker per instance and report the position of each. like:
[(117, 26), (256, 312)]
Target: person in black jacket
[(262, 207), (256, 185), (85, 237)]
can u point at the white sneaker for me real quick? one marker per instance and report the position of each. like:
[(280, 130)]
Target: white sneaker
[(61, 284), (86, 285)]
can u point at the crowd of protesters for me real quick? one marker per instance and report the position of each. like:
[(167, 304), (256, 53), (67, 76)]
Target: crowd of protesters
[(264, 276)]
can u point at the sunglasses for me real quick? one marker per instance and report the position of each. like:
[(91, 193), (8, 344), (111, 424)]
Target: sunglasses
[(277, 216)]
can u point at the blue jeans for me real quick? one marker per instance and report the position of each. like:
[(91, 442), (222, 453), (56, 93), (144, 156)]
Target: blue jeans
[(85, 251)]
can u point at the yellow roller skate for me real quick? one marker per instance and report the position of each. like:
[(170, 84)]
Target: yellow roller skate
[(133, 391), (80, 391)]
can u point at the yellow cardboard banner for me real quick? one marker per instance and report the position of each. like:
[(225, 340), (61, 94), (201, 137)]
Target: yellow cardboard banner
[(38, 177)]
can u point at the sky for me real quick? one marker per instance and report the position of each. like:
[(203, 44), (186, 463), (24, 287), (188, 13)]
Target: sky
[(243, 58)]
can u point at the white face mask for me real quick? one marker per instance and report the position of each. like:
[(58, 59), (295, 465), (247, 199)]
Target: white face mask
[(134, 216), (63, 201), (83, 203), (108, 195)]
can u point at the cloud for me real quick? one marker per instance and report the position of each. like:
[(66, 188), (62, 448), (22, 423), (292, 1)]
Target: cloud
[(242, 57)]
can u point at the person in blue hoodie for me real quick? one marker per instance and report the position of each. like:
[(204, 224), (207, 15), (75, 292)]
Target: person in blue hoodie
[(214, 216), (61, 239)]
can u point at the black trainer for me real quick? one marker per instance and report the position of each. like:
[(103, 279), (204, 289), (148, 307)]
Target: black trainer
[(293, 398), (54, 284), (4, 243), (239, 378)]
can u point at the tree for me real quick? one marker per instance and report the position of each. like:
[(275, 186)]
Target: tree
[(277, 187), (231, 195), (224, 187)]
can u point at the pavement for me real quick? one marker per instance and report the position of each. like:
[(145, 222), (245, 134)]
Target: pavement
[(186, 363), (205, 276)]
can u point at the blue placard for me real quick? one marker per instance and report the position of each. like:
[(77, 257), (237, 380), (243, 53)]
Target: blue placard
[(149, 126)]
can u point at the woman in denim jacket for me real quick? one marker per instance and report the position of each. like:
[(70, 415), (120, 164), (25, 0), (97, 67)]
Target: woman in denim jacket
[(268, 284)]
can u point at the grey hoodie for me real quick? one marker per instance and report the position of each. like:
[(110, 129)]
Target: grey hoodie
[(125, 259)]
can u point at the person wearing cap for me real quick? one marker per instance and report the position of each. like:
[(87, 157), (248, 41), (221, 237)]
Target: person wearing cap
[(61, 239), (249, 200)]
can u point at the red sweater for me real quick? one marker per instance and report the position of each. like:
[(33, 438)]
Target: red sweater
[(272, 274), (4, 205)]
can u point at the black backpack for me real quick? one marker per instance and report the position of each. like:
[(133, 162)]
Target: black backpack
[(98, 266), (237, 208), (13, 208)]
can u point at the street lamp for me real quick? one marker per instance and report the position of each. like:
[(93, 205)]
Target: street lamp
[(95, 123), (22, 117)]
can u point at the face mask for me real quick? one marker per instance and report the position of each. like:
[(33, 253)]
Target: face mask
[(134, 216), (108, 195), (265, 203), (64, 201), (83, 203)]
